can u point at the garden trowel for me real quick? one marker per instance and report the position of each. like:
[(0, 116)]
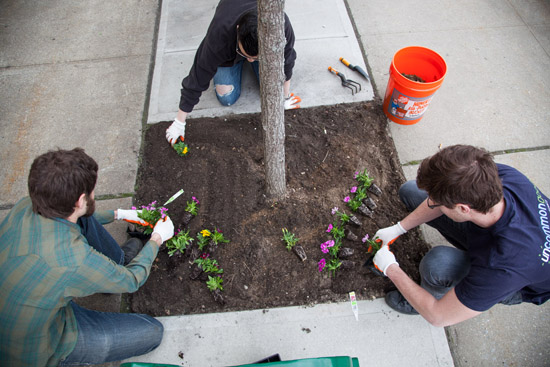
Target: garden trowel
[(356, 68)]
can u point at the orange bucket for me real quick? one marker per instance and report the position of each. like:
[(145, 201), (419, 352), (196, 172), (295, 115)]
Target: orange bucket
[(407, 100)]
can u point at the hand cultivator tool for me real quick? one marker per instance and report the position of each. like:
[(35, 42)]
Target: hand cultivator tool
[(356, 68), (353, 85)]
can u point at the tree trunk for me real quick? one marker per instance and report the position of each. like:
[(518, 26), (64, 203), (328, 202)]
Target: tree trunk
[(271, 44)]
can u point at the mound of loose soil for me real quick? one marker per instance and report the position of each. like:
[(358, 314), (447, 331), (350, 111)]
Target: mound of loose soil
[(225, 172)]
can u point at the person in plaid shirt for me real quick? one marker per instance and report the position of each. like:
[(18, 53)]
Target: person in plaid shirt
[(53, 248)]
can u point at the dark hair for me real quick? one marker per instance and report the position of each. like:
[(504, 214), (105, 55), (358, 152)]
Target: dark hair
[(247, 33), (461, 174), (58, 178)]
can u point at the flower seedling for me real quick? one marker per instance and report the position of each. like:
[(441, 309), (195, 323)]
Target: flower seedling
[(181, 148), (191, 210), (192, 206), (208, 265), (179, 242), (151, 214), (333, 265), (342, 217), (373, 245), (214, 283), (217, 237), (289, 238), (364, 179), (203, 238)]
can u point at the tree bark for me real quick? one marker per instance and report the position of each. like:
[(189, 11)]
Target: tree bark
[(271, 44)]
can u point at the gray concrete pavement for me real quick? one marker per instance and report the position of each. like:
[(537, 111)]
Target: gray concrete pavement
[(302, 332), (78, 74)]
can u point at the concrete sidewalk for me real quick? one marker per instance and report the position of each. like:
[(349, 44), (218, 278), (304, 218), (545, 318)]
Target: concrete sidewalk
[(236, 338), (80, 74)]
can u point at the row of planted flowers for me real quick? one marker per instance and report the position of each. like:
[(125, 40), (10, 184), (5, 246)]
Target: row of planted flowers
[(358, 201), (336, 255), (201, 247)]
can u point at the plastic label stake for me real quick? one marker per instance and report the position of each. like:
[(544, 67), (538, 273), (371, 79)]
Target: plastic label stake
[(174, 197), (354, 307)]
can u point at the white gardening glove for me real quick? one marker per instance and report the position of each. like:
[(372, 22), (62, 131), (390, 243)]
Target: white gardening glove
[(291, 102), (164, 228), (175, 131), (383, 259), (130, 216), (389, 234)]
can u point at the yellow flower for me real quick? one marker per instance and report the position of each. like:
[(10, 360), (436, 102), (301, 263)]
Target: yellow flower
[(205, 233), (185, 150)]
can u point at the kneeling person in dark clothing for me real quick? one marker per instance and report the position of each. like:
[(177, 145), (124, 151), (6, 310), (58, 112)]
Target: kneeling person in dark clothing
[(498, 222), (231, 39)]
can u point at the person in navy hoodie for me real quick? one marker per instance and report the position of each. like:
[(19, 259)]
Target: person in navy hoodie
[(230, 42), (497, 221)]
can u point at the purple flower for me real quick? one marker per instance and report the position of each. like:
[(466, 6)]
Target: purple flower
[(322, 264), (334, 210), (356, 174), (133, 208), (353, 189), (330, 243), (364, 239), (324, 248), (195, 200), (347, 199), (329, 229)]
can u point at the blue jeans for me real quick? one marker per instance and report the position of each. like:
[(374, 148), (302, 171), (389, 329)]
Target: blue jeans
[(105, 336), (443, 267), (100, 239), (232, 75)]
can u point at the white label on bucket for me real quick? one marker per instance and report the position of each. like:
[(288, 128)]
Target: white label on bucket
[(407, 108)]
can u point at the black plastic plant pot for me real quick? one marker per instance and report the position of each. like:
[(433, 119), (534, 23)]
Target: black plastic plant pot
[(365, 211), (374, 189), (350, 235), (300, 252), (347, 264), (354, 221), (345, 252), (273, 358), (133, 231), (186, 218), (196, 272), (194, 253), (211, 249), (218, 296), (369, 203), (369, 264)]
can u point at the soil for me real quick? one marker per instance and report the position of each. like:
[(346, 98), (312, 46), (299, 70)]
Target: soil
[(224, 171), (414, 78)]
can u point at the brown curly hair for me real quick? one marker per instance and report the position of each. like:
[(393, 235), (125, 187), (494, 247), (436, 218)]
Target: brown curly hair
[(461, 174), (58, 178)]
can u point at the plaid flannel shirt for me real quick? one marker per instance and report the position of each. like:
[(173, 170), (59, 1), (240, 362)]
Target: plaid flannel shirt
[(44, 263)]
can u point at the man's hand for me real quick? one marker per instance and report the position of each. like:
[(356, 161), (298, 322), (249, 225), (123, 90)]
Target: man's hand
[(292, 102), (389, 234), (130, 216), (175, 131), (164, 228), (383, 259)]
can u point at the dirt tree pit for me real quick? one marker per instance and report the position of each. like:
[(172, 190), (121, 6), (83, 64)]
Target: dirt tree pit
[(224, 170)]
